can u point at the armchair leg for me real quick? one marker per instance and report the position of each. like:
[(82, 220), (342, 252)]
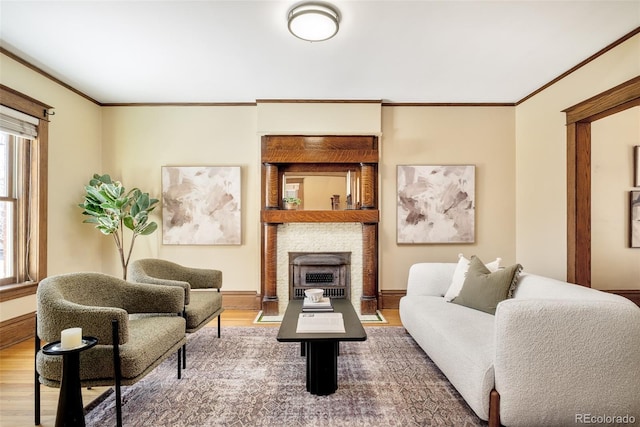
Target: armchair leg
[(116, 369), (180, 363), (184, 347), (184, 356), (36, 384)]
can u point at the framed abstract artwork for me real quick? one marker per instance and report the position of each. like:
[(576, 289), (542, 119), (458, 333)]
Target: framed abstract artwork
[(201, 205), (634, 217), (436, 204)]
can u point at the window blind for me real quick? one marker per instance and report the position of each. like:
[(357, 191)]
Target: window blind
[(17, 123)]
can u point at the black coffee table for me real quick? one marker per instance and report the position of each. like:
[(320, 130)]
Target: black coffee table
[(321, 349)]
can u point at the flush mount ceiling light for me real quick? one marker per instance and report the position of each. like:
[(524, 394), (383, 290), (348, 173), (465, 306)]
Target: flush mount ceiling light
[(314, 22)]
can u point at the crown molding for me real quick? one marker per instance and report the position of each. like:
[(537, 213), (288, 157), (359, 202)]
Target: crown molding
[(384, 104)]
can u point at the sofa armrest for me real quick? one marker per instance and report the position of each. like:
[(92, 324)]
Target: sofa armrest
[(557, 359), (202, 278), (430, 278), (185, 286), (95, 321), (147, 298)]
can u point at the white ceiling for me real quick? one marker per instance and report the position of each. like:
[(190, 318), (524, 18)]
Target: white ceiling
[(239, 51)]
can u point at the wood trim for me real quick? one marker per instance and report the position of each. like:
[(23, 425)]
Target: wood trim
[(318, 101), (630, 294), (17, 290), (369, 300), (606, 103), (321, 156), (355, 215), (23, 103), (269, 286), (494, 408), (240, 300), (578, 142), (390, 298), (582, 260), (334, 101), (583, 63), (178, 104), (45, 74), (311, 153), (448, 104), (37, 267), (17, 329)]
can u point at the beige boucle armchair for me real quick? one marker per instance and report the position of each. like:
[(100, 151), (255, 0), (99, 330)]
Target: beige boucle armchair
[(201, 306), (128, 348)]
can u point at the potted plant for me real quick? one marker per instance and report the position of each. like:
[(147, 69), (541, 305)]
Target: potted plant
[(111, 208), (291, 203)]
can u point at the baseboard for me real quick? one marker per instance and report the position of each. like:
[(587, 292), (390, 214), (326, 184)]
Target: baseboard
[(16, 330), (241, 300), (632, 294), (390, 299)]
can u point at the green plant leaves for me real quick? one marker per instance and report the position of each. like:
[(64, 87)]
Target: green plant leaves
[(110, 208)]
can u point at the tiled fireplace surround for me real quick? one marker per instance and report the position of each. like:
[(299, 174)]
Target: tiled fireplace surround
[(319, 237), (352, 230)]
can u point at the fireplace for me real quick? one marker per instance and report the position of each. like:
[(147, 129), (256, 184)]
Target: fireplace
[(285, 231), (329, 271)]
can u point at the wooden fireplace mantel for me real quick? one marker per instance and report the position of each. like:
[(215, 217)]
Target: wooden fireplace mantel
[(312, 154)]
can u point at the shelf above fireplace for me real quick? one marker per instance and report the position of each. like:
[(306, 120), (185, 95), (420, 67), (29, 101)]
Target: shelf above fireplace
[(367, 216)]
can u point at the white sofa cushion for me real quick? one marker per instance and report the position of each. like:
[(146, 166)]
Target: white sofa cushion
[(460, 343)]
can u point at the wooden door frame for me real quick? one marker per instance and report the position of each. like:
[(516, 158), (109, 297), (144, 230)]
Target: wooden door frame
[(578, 120)]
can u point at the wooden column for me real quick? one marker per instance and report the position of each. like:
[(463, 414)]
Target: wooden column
[(369, 299), (270, 261), (579, 203), (368, 173), (272, 189)]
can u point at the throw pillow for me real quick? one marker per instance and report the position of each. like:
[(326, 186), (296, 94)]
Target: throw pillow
[(483, 289), (459, 275)]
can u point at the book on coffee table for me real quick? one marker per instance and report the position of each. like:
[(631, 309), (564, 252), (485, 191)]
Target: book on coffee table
[(320, 323), (323, 305)]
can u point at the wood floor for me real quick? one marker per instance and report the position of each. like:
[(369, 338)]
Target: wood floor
[(17, 375)]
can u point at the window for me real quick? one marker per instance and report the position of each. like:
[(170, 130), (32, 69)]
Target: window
[(14, 208), (23, 193)]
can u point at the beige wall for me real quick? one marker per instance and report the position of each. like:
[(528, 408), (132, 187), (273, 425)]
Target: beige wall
[(74, 153), (138, 141), (449, 135), (614, 265), (541, 225)]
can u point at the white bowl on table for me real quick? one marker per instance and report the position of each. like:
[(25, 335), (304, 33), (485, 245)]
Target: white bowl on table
[(314, 295)]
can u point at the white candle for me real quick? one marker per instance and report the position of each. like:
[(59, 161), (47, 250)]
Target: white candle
[(71, 338)]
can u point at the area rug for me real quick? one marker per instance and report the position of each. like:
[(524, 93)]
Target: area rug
[(247, 378)]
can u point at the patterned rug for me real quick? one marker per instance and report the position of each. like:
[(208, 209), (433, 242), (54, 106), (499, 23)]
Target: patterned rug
[(247, 378)]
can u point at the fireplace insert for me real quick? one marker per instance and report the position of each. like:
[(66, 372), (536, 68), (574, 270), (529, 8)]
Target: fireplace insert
[(329, 271)]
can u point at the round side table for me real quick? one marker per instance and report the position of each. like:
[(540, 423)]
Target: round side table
[(70, 409)]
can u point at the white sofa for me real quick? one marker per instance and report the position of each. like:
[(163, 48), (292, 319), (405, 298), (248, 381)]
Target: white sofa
[(556, 353)]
